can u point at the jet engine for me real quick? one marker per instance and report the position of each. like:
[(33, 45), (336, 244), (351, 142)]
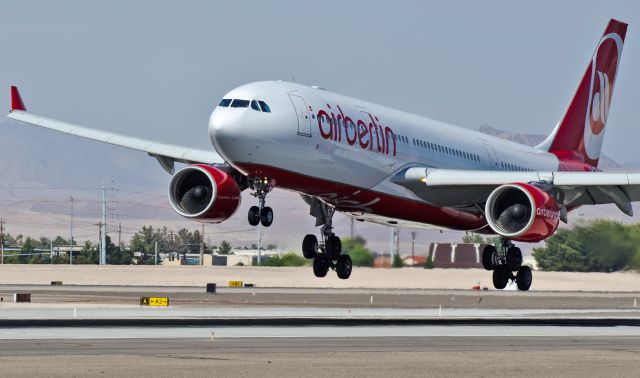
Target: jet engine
[(522, 212), (204, 193)]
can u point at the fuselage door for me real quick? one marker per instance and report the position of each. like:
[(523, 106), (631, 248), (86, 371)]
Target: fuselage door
[(493, 158), (304, 119)]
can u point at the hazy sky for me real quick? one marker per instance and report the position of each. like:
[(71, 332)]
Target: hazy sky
[(153, 68), (156, 69)]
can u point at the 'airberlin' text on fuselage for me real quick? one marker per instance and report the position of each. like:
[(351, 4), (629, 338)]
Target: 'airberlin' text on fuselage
[(366, 133)]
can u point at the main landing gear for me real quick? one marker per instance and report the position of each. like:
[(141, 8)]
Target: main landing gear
[(504, 263), (326, 254), (261, 214)]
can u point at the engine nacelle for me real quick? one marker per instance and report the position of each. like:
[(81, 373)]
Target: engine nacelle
[(204, 193), (522, 212)]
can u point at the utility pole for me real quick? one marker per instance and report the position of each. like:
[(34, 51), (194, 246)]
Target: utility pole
[(156, 249), (99, 224), (394, 244), (413, 247), (71, 240), (351, 229), (202, 245), (120, 235), (103, 250), (51, 250), (259, 246), (391, 242), (1, 241)]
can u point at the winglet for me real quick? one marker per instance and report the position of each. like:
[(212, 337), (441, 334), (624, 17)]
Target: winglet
[(16, 100)]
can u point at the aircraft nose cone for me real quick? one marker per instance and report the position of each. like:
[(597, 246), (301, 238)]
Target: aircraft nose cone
[(219, 127), (224, 132)]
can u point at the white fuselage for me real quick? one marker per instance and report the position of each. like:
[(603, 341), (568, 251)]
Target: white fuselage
[(312, 135)]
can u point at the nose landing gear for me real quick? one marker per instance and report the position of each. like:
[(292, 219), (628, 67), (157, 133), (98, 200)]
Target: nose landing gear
[(504, 262), (326, 254), (261, 214)]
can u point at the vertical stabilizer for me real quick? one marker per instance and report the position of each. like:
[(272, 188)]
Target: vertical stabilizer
[(579, 134)]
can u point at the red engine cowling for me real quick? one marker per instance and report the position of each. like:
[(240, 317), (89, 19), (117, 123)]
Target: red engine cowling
[(522, 212), (204, 193)]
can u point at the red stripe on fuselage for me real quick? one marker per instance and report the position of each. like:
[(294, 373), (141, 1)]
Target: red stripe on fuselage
[(349, 198)]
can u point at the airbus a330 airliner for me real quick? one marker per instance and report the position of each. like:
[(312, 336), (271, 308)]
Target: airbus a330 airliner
[(386, 166)]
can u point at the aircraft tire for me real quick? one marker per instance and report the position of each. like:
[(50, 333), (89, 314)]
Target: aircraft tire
[(344, 267), (488, 256), (254, 215), (514, 258), (266, 216), (320, 266), (524, 277), (333, 247), (500, 278), (309, 246)]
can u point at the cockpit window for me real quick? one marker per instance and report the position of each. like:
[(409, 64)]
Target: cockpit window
[(265, 107), (240, 103), (254, 105), (225, 102)]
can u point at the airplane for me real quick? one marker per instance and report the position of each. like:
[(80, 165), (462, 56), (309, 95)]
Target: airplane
[(390, 167)]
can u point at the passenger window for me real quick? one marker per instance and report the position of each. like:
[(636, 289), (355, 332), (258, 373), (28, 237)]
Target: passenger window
[(225, 102), (254, 105), (240, 103), (265, 107)]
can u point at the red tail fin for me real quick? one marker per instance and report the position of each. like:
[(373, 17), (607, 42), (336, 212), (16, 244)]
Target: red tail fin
[(579, 135)]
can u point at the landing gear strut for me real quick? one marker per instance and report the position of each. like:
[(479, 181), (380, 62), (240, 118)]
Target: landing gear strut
[(326, 254), (504, 262), (261, 214)]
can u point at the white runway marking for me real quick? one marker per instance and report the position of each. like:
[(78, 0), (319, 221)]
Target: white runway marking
[(86, 333), (29, 311)]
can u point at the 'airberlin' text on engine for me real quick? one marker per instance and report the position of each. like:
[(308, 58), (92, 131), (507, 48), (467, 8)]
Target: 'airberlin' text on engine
[(368, 134)]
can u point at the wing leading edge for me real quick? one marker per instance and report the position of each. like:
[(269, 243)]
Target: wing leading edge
[(166, 153)]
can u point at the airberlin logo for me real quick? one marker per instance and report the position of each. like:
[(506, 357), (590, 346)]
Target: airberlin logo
[(603, 68), (544, 212), (366, 132)]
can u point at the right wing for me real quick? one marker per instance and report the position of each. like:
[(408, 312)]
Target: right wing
[(470, 189), (167, 154)]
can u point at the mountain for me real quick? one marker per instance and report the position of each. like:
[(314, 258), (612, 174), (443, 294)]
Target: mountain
[(606, 163)]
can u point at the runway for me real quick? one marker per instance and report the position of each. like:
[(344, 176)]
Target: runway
[(293, 332), (324, 357)]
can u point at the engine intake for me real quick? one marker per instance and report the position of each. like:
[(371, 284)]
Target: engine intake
[(204, 193), (522, 212)]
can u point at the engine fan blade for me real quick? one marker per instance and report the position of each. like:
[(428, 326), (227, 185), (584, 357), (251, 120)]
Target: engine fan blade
[(514, 217), (195, 199)]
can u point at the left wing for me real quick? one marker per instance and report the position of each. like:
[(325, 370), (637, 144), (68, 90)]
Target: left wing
[(167, 154), (470, 189)]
